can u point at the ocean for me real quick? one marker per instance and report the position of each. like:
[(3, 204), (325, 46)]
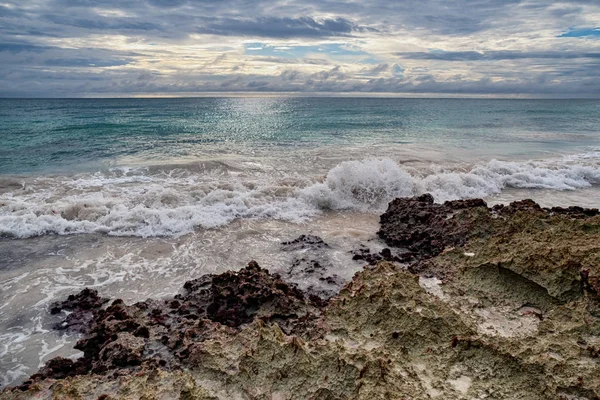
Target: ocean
[(135, 196)]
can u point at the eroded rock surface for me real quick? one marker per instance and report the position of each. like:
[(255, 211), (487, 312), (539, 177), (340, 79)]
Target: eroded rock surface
[(311, 264), (80, 310), (159, 333), (426, 228), (364, 253), (498, 303)]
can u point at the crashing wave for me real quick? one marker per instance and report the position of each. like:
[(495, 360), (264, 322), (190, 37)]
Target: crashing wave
[(139, 203)]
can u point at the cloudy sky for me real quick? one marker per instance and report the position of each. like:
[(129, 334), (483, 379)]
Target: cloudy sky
[(70, 48)]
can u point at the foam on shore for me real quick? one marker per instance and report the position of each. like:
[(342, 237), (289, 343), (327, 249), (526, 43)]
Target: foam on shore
[(149, 202)]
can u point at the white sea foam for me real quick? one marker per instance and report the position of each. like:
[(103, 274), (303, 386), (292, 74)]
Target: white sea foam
[(144, 203)]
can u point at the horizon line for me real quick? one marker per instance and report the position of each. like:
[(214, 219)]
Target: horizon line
[(384, 95)]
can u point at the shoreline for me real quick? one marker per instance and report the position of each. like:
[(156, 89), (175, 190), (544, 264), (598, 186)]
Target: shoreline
[(461, 287)]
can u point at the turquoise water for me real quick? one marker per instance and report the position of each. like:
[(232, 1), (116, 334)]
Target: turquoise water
[(87, 134), (167, 167)]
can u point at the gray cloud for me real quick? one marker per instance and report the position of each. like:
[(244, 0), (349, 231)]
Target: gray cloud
[(79, 47), (495, 55), (103, 23), (282, 27), (167, 3), (61, 84)]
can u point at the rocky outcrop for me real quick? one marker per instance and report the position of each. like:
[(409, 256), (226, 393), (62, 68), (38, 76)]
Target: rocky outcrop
[(497, 303), (426, 228), (79, 309), (363, 253), (556, 251), (159, 333), (311, 264)]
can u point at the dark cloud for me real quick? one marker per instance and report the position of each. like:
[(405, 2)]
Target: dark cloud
[(102, 23), (333, 81), (376, 70), (84, 62), (22, 47), (276, 27), (58, 47), (167, 3), (495, 55)]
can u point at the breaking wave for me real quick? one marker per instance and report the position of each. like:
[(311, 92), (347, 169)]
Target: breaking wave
[(141, 202)]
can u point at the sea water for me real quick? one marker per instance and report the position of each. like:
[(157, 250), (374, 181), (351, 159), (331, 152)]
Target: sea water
[(135, 196)]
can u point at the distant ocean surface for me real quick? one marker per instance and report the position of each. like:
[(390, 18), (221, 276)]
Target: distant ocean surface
[(135, 196), (161, 167), (49, 136)]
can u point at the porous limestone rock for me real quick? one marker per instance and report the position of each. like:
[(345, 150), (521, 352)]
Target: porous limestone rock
[(498, 303)]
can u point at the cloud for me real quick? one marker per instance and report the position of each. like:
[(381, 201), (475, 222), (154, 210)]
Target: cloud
[(103, 23), (276, 27), (22, 47), (110, 47), (84, 62), (167, 3), (495, 55), (376, 70)]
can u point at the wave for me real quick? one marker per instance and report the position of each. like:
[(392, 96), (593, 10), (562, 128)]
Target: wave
[(142, 202)]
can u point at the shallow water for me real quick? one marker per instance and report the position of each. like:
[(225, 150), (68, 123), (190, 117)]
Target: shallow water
[(134, 197)]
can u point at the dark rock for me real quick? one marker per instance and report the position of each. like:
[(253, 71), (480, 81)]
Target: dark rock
[(578, 212), (59, 368), (312, 266), (142, 331), (237, 296), (467, 203), (424, 227), (522, 205), (386, 253), (162, 333), (196, 285), (304, 242), (82, 307), (126, 350), (306, 266), (364, 253)]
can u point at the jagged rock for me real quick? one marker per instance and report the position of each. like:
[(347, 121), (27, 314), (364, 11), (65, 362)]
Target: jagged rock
[(577, 212), (304, 242), (311, 265), (162, 333), (58, 368), (126, 350), (426, 228), (237, 296), (557, 252), (81, 309), (507, 309), (383, 336), (364, 254)]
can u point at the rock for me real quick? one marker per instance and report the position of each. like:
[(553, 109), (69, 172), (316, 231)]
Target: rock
[(426, 228), (556, 252), (504, 306), (304, 242), (383, 336), (364, 253), (577, 212), (59, 368), (161, 333), (81, 308), (237, 296), (126, 350), (312, 266)]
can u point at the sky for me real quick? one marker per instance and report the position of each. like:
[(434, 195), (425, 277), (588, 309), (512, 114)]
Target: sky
[(429, 48)]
